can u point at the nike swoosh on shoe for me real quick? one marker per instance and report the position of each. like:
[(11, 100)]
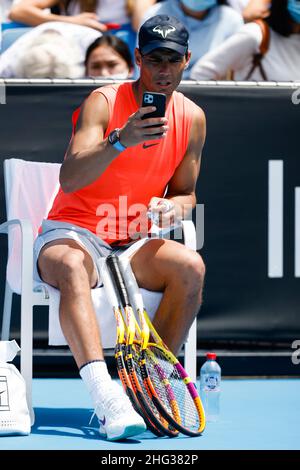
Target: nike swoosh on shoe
[(102, 421)]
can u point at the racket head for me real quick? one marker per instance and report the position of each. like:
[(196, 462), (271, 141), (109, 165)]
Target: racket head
[(167, 383), (130, 391), (120, 351), (140, 393), (164, 370), (192, 422), (144, 393)]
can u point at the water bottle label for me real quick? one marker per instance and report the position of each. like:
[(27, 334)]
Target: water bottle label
[(211, 383)]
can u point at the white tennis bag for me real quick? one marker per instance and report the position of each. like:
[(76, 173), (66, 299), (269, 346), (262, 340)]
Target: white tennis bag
[(14, 414)]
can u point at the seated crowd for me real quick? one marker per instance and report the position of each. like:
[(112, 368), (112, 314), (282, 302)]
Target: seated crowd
[(233, 39)]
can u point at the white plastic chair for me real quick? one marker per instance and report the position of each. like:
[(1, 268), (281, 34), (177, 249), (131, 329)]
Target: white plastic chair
[(30, 188)]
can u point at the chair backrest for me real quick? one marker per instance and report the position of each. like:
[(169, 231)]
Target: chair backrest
[(30, 188)]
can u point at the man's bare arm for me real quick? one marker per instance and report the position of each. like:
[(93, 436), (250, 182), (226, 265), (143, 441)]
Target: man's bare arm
[(182, 186), (89, 154)]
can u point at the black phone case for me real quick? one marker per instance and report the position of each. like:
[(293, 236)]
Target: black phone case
[(158, 100)]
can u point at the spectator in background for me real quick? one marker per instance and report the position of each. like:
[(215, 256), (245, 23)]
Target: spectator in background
[(251, 9), (81, 36), (49, 55), (91, 13), (108, 56), (281, 61), (208, 22)]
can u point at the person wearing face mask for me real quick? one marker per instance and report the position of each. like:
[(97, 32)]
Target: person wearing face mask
[(108, 57), (209, 22), (281, 60), (294, 10)]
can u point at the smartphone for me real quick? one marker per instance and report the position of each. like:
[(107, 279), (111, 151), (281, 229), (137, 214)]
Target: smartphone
[(150, 98)]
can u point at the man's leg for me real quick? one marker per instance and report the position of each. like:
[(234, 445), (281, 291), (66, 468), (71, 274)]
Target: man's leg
[(65, 265), (168, 266)]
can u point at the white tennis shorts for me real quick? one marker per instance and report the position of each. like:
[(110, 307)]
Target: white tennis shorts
[(97, 248)]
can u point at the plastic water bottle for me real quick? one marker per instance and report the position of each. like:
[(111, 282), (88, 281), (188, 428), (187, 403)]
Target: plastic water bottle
[(210, 387)]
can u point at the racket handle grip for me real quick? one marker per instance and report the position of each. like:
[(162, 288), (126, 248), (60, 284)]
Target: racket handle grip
[(132, 285), (109, 287), (113, 265)]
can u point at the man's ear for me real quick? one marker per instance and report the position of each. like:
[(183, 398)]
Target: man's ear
[(188, 60), (137, 56)]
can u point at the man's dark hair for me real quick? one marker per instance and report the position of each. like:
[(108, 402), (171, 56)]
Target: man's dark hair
[(115, 43), (280, 19)]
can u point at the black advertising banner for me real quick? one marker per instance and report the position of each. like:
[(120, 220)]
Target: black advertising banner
[(249, 185)]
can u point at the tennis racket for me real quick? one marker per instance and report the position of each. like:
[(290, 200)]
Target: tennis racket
[(132, 356), (120, 350), (160, 369)]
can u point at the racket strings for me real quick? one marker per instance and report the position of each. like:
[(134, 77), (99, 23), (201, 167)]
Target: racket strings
[(131, 362), (154, 368), (158, 376), (143, 384), (188, 411)]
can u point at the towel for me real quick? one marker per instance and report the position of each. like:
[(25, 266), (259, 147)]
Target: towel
[(102, 306), (104, 313)]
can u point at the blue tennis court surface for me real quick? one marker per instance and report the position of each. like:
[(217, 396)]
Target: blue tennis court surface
[(255, 414)]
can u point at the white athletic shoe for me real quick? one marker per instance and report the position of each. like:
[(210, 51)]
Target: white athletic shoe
[(116, 415)]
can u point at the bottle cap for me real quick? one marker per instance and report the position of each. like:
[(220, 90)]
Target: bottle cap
[(210, 355)]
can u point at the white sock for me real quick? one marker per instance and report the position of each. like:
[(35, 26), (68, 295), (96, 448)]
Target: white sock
[(96, 378)]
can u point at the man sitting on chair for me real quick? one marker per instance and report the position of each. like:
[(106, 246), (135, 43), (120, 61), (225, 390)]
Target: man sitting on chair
[(116, 160)]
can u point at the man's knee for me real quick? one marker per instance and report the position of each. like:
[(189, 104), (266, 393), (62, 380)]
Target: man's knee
[(197, 266), (66, 269), (72, 265), (193, 271)]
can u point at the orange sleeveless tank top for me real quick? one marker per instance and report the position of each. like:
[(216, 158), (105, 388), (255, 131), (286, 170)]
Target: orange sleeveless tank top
[(114, 206)]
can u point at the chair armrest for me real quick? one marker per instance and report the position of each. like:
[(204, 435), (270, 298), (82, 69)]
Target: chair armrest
[(24, 224), (189, 234), (26, 250)]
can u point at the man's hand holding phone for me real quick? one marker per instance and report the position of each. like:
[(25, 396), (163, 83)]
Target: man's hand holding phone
[(147, 124)]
